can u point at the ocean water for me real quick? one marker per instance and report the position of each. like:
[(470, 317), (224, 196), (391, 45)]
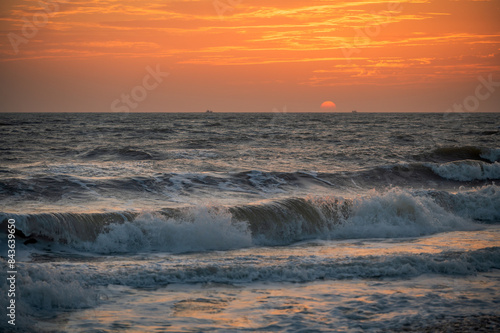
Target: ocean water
[(252, 222)]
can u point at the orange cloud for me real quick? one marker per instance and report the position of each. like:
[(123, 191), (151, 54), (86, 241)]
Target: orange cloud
[(318, 43)]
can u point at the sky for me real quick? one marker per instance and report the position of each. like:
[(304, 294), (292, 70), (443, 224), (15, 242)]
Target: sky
[(249, 55)]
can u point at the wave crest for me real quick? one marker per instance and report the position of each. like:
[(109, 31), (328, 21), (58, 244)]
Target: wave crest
[(199, 230), (396, 213), (467, 170)]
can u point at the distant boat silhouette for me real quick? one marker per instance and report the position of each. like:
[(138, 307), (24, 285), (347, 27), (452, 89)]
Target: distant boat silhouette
[(209, 111), (354, 111)]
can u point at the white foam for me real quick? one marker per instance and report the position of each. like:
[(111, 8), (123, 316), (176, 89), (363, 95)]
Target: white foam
[(202, 229), (398, 213), (266, 182), (75, 285), (467, 170), (49, 289), (480, 204), (492, 155), (45, 288)]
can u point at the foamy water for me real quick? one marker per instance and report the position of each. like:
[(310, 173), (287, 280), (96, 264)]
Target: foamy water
[(257, 222)]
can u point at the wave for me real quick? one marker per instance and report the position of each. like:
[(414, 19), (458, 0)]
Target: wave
[(456, 153), (467, 170), (65, 227), (482, 204), (200, 229), (77, 284), (396, 213), (492, 155), (91, 181)]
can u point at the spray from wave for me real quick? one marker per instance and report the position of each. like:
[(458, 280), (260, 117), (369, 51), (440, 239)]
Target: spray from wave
[(394, 214), (467, 170), (200, 229)]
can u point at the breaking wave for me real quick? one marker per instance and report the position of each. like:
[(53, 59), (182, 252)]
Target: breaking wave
[(467, 170), (396, 213)]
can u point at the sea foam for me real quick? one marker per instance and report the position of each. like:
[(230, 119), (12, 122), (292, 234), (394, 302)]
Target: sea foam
[(467, 170), (200, 229), (395, 213)]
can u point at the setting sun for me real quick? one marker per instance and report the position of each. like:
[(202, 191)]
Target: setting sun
[(328, 106)]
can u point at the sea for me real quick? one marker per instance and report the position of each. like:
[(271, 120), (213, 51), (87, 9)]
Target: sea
[(250, 222)]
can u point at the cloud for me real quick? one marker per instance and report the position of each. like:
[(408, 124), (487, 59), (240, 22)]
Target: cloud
[(384, 37)]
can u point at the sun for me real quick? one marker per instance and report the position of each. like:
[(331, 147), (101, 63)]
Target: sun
[(328, 106)]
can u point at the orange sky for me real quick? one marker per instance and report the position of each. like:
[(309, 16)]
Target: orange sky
[(248, 55)]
